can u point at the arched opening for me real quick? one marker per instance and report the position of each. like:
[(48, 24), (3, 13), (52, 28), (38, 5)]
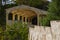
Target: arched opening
[(27, 16), (27, 19), (24, 19), (34, 20), (10, 15), (20, 18), (16, 17)]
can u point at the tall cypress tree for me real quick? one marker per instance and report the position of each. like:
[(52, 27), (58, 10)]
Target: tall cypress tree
[(53, 13), (30, 2), (2, 15), (54, 9)]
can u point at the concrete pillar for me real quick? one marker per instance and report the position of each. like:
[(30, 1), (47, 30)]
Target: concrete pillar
[(29, 20), (13, 17), (25, 19), (18, 17), (22, 19), (38, 19), (6, 18)]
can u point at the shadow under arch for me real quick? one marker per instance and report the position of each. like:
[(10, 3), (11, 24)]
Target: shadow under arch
[(10, 16)]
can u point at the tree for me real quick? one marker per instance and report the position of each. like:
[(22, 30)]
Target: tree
[(54, 9), (53, 12), (30, 2), (0, 4), (35, 2), (2, 15)]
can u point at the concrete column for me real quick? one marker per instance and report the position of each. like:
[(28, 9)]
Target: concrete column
[(25, 19), (30, 20), (13, 17), (6, 18), (38, 19), (22, 19), (18, 17)]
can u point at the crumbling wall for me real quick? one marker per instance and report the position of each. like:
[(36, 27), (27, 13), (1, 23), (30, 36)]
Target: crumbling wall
[(45, 33)]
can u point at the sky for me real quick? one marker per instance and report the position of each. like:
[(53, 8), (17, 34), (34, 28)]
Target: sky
[(13, 2), (49, 0)]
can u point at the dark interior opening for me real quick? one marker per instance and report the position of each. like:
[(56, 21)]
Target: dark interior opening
[(10, 16), (34, 20), (24, 19), (21, 18), (16, 16)]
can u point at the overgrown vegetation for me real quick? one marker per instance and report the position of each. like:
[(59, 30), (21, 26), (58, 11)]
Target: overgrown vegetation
[(2, 17), (3, 13), (53, 13), (17, 31), (9, 5), (35, 3)]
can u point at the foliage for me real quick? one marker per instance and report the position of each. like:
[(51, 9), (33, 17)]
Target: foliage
[(1, 33), (2, 16), (17, 31), (53, 12), (33, 3), (45, 21), (9, 5), (3, 13)]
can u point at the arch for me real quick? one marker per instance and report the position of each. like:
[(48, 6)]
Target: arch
[(21, 18), (31, 14), (24, 19), (23, 7), (10, 16), (16, 17)]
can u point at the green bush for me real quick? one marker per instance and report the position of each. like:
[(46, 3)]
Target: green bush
[(45, 21), (17, 31), (1, 33), (53, 13)]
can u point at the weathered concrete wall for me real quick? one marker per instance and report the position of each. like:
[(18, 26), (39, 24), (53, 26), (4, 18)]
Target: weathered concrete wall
[(45, 33)]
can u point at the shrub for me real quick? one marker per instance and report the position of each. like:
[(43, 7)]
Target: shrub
[(53, 13), (16, 32), (1, 33)]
